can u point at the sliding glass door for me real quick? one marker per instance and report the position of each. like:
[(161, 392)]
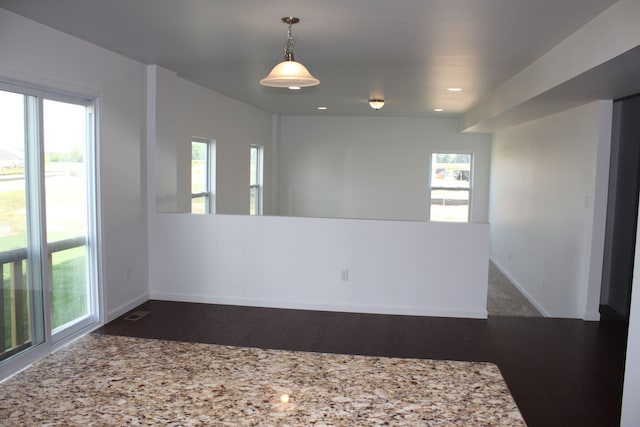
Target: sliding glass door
[(67, 210), (21, 323), (48, 248)]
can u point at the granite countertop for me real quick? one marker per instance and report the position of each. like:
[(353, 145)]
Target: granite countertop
[(111, 380)]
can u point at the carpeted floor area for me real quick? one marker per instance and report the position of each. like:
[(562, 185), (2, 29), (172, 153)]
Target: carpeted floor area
[(113, 380), (504, 299)]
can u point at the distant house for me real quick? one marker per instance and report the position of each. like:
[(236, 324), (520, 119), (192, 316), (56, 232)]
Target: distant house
[(10, 158)]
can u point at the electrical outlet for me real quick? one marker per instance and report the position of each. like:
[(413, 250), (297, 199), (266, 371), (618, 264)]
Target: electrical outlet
[(344, 274)]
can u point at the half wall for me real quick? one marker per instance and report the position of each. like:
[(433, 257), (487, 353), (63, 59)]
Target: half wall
[(367, 266)]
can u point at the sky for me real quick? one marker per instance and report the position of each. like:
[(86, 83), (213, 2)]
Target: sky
[(64, 124)]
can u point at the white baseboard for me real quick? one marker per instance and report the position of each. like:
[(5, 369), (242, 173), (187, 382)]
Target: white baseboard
[(119, 311), (393, 310), (590, 316), (521, 289)]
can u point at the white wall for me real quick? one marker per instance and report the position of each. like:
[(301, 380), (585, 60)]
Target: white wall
[(185, 110), (370, 167), (548, 205), (395, 267), (34, 54)]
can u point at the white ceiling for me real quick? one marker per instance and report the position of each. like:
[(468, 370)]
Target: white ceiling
[(407, 51)]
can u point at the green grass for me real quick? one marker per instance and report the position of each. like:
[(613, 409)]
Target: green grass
[(17, 171), (12, 212), (69, 297)]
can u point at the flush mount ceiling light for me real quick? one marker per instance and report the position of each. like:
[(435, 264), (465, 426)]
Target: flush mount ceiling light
[(289, 73), (376, 103)]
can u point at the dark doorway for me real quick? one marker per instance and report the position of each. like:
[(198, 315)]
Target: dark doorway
[(622, 210)]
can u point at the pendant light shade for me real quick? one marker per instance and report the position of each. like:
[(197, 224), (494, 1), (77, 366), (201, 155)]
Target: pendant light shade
[(289, 73), (376, 104)]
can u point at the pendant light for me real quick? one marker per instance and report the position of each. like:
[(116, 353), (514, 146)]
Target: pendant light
[(289, 73), (376, 103)]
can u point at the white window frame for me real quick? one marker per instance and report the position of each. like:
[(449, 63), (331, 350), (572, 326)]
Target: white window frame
[(258, 186), (432, 187), (210, 167)]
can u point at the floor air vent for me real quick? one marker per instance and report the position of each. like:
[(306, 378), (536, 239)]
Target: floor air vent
[(136, 315)]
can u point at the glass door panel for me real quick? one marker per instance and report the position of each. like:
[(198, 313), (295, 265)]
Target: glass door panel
[(65, 169), (48, 253), (20, 306)]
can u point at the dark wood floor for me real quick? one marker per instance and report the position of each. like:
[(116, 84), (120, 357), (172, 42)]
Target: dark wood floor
[(561, 372)]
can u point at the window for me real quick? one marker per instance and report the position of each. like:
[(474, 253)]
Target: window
[(48, 229), (255, 181), (450, 187), (203, 175)]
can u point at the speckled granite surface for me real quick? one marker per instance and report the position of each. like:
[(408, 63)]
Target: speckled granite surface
[(109, 380)]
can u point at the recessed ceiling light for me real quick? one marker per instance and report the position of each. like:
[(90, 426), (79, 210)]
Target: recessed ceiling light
[(454, 89), (322, 107), (294, 88), (438, 109)]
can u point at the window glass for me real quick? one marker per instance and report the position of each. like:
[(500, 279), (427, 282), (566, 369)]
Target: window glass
[(255, 181), (65, 141), (450, 192), (202, 173)]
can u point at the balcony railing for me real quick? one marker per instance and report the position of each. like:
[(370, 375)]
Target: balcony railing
[(17, 329)]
